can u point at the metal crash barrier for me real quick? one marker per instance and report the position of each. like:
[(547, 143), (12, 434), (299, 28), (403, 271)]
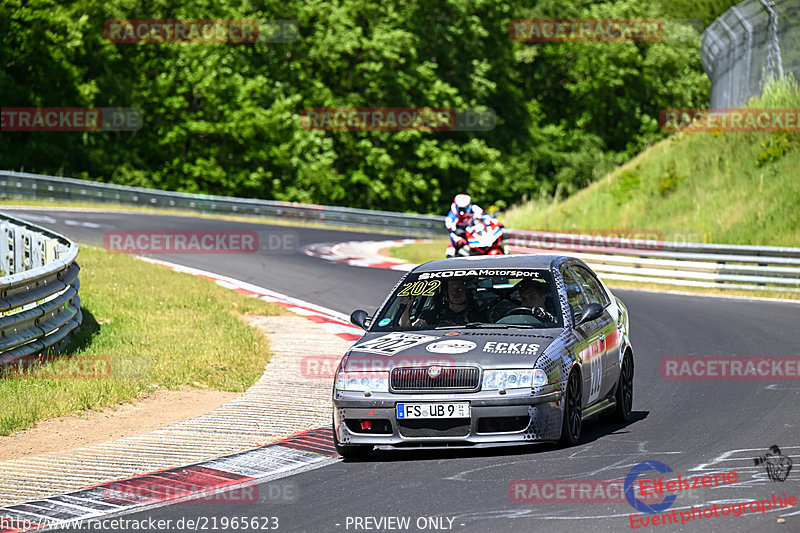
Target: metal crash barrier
[(686, 264), (22, 185), (39, 302)]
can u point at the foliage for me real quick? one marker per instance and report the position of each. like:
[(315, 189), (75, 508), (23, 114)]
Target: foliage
[(669, 181), (224, 118), (625, 187), (722, 187), (776, 147)]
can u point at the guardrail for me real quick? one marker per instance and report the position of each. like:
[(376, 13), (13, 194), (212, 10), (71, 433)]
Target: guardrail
[(39, 302), (19, 184), (690, 264), (673, 263)]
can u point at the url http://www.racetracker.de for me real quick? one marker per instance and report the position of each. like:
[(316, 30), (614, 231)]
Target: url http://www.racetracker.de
[(198, 523), (737, 509)]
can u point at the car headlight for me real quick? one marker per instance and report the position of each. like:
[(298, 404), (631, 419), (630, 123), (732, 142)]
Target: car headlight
[(513, 378), (362, 381)]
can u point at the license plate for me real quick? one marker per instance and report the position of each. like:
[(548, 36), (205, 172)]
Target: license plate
[(433, 410)]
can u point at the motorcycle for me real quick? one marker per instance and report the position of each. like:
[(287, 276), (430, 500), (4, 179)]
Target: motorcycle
[(483, 239)]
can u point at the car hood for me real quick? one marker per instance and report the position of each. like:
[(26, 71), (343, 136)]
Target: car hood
[(489, 348)]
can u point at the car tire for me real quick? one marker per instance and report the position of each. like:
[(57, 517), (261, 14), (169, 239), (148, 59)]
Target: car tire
[(624, 394), (572, 424), (351, 451)]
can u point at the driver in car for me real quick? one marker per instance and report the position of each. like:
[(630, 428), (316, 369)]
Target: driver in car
[(456, 312), (533, 295)]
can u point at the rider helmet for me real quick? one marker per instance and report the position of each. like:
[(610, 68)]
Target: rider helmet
[(461, 205)]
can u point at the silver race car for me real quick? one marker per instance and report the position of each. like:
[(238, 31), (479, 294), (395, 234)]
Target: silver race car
[(485, 351)]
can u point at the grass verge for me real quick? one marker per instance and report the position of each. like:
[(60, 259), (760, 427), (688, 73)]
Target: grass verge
[(726, 187), (152, 328), (419, 252)]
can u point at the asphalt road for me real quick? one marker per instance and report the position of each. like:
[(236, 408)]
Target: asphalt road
[(691, 426)]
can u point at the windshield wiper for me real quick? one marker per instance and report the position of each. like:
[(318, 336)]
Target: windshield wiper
[(478, 325)]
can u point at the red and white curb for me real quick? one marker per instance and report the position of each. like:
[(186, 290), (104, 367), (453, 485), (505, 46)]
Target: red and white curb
[(227, 479), (362, 253), (208, 480), (332, 321)]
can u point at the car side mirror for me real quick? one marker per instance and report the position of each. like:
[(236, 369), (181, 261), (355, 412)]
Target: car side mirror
[(359, 317), (590, 312)]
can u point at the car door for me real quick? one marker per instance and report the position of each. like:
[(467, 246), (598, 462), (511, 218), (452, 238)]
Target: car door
[(605, 325), (589, 349)]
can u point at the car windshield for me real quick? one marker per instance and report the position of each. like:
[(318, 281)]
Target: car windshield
[(455, 299)]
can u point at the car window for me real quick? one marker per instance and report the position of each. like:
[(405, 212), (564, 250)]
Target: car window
[(574, 295), (454, 298), (594, 291)]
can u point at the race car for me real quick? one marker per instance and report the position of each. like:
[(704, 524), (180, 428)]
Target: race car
[(485, 351)]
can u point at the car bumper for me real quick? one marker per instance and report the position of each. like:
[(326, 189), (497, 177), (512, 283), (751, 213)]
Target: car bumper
[(517, 417)]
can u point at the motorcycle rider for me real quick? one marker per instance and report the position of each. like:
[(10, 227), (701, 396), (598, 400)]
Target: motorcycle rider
[(463, 214)]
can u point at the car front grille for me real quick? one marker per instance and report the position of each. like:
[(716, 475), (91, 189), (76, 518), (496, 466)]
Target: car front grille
[(462, 378)]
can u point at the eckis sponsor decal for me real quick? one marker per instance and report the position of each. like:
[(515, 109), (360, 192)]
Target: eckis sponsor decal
[(522, 348)]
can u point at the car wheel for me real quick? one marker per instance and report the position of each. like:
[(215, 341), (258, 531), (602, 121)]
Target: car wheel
[(624, 395), (571, 426), (351, 451)]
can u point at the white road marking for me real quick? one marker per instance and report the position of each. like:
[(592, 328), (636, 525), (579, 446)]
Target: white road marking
[(36, 218), (83, 224), (752, 453), (775, 386)]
